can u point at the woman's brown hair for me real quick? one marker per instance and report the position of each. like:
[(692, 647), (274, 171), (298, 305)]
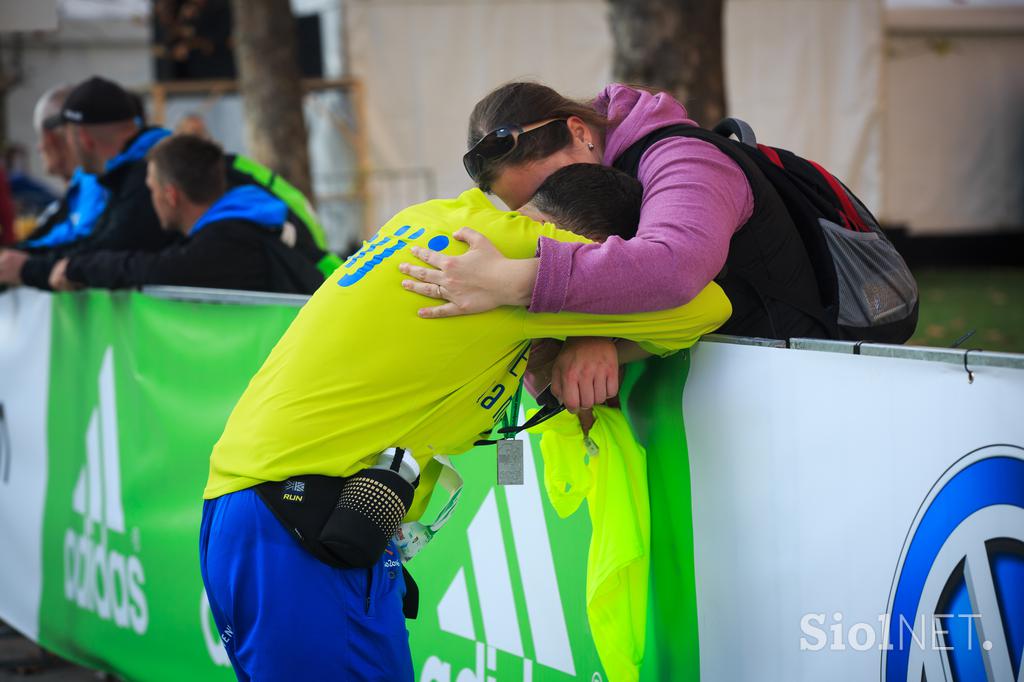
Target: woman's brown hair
[(522, 104)]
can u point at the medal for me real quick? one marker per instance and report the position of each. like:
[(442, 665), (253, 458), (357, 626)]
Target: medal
[(510, 462), (510, 450)]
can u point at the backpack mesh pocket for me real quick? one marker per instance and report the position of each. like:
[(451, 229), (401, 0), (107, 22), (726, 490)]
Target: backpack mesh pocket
[(875, 285)]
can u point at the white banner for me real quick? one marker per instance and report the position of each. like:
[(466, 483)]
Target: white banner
[(810, 471), (24, 388)]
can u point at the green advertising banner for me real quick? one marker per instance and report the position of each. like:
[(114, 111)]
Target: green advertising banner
[(139, 390)]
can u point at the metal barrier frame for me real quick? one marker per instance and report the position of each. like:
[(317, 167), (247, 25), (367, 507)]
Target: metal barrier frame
[(955, 356)]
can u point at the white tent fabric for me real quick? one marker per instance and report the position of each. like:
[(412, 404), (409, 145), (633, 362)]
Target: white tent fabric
[(425, 64), (921, 125), (808, 77), (955, 104)]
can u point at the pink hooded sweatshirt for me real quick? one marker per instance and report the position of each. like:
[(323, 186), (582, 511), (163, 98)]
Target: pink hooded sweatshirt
[(695, 198)]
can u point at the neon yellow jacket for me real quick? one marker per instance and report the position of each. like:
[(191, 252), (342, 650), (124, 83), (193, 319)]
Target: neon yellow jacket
[(614, 483)]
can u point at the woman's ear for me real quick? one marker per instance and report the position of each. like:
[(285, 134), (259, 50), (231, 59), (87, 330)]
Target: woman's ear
[(579, 130), (584, 139)]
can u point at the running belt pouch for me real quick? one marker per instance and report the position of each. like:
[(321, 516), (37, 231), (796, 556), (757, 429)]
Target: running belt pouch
[(367, 514), (303, 504)]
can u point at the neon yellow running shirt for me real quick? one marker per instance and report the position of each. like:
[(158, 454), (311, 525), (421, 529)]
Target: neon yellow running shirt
[(358, 371)]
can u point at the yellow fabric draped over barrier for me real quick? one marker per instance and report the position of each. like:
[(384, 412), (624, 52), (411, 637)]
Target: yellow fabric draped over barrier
[(609, 471)]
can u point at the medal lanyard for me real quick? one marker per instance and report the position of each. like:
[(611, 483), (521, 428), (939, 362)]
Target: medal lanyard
[(549, 408), (511, 416)]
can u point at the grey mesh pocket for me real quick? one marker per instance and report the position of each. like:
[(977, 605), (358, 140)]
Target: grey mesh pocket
[(875, 284)]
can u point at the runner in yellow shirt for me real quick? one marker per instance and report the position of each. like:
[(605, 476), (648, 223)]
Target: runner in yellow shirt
[(359, 372)]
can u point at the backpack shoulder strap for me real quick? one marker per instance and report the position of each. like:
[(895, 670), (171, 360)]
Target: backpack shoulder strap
[(629, 160), (770, 211)]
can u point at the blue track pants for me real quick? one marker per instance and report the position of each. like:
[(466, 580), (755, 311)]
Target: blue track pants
[(284, 615)]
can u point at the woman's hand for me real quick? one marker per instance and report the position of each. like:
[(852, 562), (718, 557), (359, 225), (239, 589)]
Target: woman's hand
[(586, 373), (477, 281)]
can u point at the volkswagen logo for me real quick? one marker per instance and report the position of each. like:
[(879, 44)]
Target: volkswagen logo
[(956, 607)]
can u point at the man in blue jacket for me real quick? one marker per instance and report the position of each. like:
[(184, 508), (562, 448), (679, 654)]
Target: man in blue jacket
[(232, 239), (73, 216), (104, 129)]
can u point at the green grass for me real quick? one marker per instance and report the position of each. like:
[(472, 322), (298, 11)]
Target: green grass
[(954, 301)]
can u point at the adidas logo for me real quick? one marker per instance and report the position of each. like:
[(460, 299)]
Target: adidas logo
[(97, 578), (493, 596)]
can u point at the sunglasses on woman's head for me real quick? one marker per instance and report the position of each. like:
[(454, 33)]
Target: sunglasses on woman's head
[(498, 143)]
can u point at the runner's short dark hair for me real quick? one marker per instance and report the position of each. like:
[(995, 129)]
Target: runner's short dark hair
[(193, 165), (592, 200)]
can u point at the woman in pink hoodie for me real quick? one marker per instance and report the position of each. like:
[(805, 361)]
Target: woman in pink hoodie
[(695, 199)]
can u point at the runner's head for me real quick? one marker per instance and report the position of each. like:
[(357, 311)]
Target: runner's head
[(591, 200)]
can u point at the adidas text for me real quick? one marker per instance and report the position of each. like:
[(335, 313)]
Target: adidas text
[(102, 574)]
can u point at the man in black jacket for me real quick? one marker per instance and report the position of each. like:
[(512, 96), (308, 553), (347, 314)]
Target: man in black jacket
[(106, 134), (233, 239)]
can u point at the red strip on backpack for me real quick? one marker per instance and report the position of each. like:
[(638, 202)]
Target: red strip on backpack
[(772, 155), (844, 200)]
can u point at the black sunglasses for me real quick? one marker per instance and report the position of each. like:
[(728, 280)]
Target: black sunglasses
[(498, 143)]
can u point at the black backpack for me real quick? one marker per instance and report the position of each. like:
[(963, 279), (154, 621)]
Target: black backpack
[(865, 290)]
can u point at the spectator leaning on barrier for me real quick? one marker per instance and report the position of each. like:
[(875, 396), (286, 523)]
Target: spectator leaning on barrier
[(233, 239), (105, 131), (296, 514), (310, 240), (73, 216), (696, 199)]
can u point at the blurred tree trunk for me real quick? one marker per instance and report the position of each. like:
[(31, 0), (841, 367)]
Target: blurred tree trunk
[(271, 87), (672, 45)]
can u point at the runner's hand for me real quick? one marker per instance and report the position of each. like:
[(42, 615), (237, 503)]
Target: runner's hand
[(585, 373), (587, 420)]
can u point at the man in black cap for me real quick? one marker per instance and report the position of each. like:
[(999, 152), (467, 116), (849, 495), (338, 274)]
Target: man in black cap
[(105, 131)]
